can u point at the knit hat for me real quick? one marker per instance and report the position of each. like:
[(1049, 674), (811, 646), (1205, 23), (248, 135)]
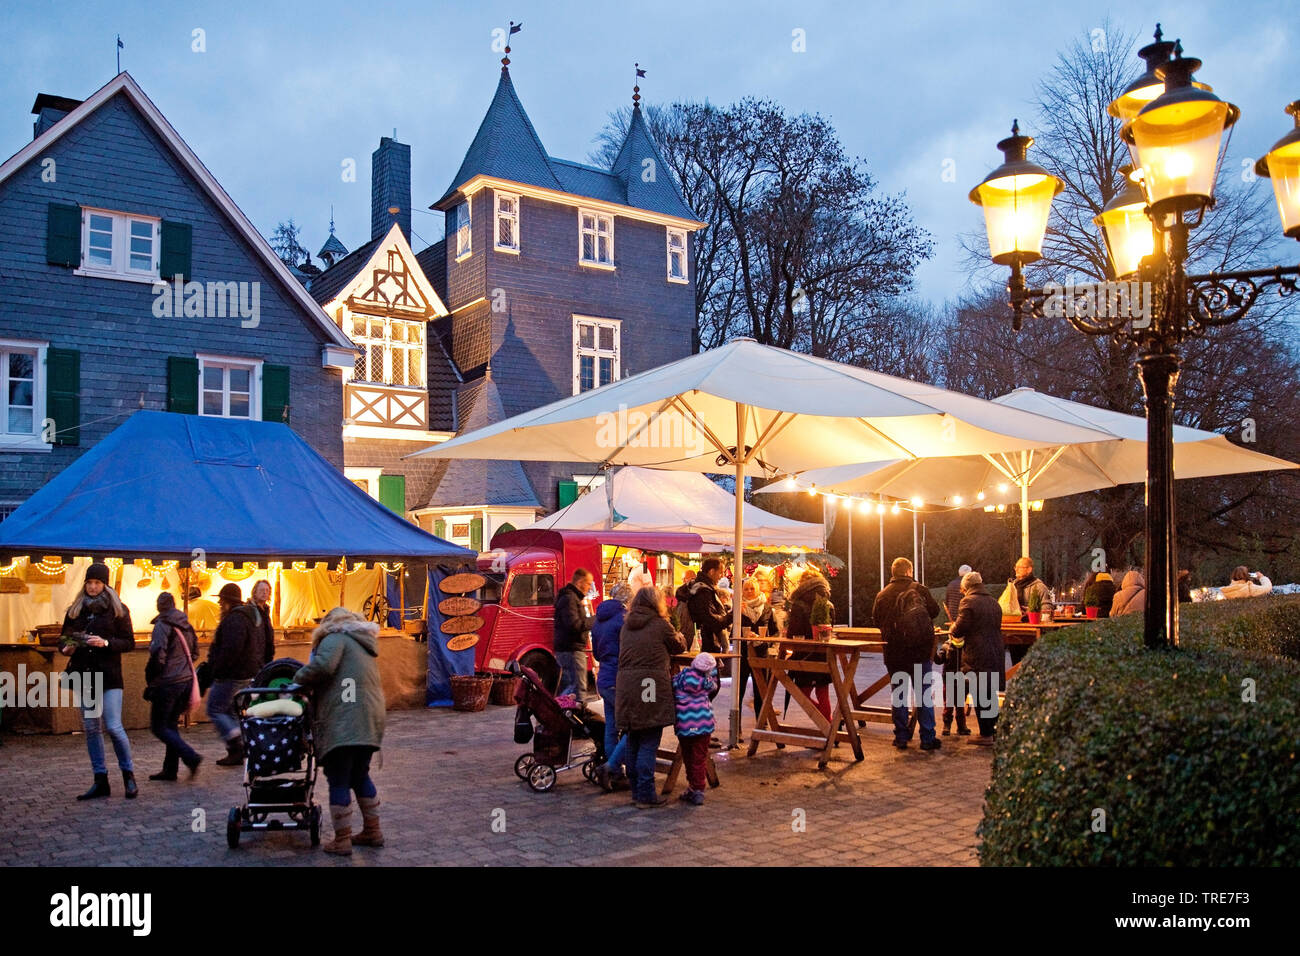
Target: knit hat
[(621, 593), (1104, 576), (166, 602), (231, 593), (98, 572), (704, 662)]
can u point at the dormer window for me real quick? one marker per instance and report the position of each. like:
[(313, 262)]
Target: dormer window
[(676, 255), (463, 236), (595, 239), (507, 222)]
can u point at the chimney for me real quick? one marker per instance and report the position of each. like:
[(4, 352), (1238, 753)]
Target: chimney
[(49, 109), (390, 187)]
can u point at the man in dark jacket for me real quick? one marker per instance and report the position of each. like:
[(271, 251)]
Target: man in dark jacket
[(952, 597), (572, 627), (171, 678), (709, 614), (683, 610), (907, 655), (235, 657), (983, 660)]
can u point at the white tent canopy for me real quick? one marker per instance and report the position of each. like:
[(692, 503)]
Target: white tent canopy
[(759, 411), (644, 499), (1035, 474)]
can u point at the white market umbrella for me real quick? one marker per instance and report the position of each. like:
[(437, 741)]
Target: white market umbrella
[(759, 411), (1034, 474), (647, 499)]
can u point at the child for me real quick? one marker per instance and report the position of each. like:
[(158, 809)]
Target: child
[(949, 655), (691, 689)]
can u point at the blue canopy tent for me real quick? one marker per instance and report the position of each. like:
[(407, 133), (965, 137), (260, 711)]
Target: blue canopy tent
[(164, 485)]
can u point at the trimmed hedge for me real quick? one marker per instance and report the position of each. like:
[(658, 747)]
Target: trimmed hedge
[(1186, 772)]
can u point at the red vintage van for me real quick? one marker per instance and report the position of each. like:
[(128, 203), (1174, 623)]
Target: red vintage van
[(526, 569)]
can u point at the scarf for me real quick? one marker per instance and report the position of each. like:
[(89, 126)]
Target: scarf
[(1020, 585), (103, 601), (755, 608)]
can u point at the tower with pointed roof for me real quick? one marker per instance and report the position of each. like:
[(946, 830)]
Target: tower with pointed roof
[(562, 275)]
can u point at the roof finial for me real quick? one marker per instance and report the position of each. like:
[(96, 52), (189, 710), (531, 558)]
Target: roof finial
[(505, 60), (636, 88), (1178, 49), (331, 219), (1015, 127), (1159, 33)]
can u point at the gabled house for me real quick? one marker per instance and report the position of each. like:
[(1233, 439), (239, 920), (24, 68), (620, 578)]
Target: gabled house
[(130, 279), (399, 395), (560, 277)]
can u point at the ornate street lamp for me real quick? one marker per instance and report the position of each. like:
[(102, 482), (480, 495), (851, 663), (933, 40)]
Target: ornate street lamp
[(1174, 127)]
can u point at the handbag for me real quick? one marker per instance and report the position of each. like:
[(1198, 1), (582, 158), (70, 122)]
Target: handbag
[(195, 693)]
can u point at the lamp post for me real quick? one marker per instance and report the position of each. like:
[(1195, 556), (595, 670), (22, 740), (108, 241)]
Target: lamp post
[(1174, 127)]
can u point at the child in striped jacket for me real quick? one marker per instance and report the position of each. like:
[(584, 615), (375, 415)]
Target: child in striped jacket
[(691, 689)]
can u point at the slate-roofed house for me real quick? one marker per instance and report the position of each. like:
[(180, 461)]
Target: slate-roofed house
[(400, 394), (558, 275), (106, 201)]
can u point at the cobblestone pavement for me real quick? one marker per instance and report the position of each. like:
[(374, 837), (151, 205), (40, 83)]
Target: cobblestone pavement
[(447, 776)]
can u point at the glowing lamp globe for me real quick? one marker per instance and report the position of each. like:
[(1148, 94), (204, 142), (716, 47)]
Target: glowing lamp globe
[(1016, 198), (1282, 165), (1125, 228)]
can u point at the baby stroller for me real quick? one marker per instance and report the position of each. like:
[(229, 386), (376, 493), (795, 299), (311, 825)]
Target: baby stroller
[(558, 724), (279, 760)]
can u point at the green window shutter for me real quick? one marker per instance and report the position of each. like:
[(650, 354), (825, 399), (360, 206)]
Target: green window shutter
[(476, 533), (63, 235), (174, 257), (183, 385), (275, 396), (63, 399), (568, 493), (439, 528), (392, 493)]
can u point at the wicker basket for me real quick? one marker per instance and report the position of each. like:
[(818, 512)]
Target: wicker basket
[(503, 689), (470, 692)]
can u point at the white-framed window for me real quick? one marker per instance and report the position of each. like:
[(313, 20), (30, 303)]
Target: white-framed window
[(464, 243), (22, 393), (120, 245), (507, 222), (367, 479), (676, 255), (230, 387), (391, 351), (595, 352), (595, 238)]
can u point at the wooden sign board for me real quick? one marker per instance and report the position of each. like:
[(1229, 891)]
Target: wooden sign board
[(461, 625), (461, 583), (458, 606), (462, 642)]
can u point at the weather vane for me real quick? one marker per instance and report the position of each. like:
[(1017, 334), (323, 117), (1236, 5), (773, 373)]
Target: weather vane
[(514, 28), (636, 89)]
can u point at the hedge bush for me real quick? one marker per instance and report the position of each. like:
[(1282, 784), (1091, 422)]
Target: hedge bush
[(1186, 772)]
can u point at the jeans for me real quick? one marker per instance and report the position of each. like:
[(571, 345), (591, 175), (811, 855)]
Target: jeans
[(168, 706), (109, 720), (695, 758), (347, 769), (642, 749), (954, 706), (573, 673), (615, 746), (221, 706), (901, 689)]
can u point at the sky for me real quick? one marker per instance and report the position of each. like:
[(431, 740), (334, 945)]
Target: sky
[(283, 94)]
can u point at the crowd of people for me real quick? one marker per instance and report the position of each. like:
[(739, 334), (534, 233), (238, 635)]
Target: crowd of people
[(347, 728)]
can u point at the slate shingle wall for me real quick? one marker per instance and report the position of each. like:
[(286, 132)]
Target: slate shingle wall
[(113, 160)]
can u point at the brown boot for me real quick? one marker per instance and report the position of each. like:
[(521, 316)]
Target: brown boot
[(341, 817), (370, 834)]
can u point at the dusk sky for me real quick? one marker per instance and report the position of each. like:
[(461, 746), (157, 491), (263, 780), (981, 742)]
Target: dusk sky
[(285, 92)]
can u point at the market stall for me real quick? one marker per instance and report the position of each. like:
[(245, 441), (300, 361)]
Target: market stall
[(187, 503)]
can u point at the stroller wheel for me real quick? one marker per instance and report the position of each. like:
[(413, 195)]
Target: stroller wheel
[(313, 824), (232, 828), (523, 765), (589, 771), (541, 778)]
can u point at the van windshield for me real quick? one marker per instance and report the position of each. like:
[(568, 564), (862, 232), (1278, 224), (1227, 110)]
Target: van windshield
[(531, 590), (493, 584)]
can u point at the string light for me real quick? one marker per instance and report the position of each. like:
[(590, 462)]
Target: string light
[(988, 508), (956, 499), (8, 569), (1001, 508), (1037, 505), (300, 565), (812, 492), (50, 566), (917, 502), (894, 510), (880, 508), (864, 506), (1002, 488), (979, 496), (848, 502), (394, 569)]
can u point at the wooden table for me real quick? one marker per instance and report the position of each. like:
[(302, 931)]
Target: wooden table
[(674, 756), (836, 658), (1025, 634)]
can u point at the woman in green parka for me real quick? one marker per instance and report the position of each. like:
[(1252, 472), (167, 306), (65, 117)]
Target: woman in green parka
[(348, 699)]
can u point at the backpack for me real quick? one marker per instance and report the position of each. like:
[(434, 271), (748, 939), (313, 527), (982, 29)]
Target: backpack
[(913, 627)]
